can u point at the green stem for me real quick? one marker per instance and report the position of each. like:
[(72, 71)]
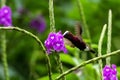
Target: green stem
[(87, 62), (49, 67), (100, 48), (36, 39), (3, 46), (109, 36), (51, 15), (4, 55), (3, 3), (25, 32), (84, 20), (52, 29), (60, 65), (52, 21)]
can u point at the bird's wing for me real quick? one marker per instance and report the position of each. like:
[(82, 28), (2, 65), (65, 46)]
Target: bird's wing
[(68, 42), (78, 30)]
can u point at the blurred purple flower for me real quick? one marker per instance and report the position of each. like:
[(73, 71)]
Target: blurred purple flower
[(55, 42), (110, 73), (22, 11), (5, 16), (38, 23)]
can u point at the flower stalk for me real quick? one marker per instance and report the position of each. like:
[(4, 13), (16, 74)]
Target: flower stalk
[(87, 32), (100, 48), (3, 46), (4, 55), (109, 36), (52, 24), (52, 29), (3, 3), (51, 16), (60, 65)]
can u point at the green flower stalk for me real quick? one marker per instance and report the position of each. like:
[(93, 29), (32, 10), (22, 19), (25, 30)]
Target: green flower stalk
[(3, 2), (87, 32), (51, 16), (100, 48), (60, 65), (5, 15), (52, 29), (4, 55), (109, 36)]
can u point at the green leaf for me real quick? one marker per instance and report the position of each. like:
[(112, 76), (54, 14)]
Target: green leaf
[(47, 78), (118, 72), (67, 59), (72, 76), (68, 77), (94, 46), (70, 49), (89, 73)]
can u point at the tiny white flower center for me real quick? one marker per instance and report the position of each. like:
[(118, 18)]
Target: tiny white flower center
[(61, 39), (6, 11), (58, 44), (105, 77), (114, 75), (52, 37), (3, 19), (48, 43), (107, 69)]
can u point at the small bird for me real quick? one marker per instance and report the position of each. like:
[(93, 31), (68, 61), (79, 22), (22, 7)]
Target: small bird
[(76, 40)]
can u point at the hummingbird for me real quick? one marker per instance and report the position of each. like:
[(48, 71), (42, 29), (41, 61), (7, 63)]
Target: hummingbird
[(76, 40)]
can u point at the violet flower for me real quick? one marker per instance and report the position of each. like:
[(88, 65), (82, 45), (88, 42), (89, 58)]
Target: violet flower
[(38, 24), (55, 42), (110, 73), (22, 11), (5, 16)]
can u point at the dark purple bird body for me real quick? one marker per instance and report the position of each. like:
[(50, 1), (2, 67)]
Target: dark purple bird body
[(76, 40)]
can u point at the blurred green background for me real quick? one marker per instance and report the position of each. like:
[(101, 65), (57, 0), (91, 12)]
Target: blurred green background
[(25, 58)]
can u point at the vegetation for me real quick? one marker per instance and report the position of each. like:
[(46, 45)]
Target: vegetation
[(23, 53)]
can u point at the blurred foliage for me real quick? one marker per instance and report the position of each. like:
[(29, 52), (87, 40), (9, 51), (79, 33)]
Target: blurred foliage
[(26, 59)]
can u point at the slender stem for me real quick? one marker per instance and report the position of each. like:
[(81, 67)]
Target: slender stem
[(36, 39), (100, 48), (81, 10), (51, 15), (60, 65), (4, 55), (25, 32), (87, 62), (49, 67), (3, 46), (52, 21), (109, 36), (52, 29), (3, 3)]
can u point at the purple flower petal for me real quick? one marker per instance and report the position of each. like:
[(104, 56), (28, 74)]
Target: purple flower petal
[(58, 46), (38, 23), (55, 41), (52, 37), (6, 11), (106, 70), (110, 73), (5, 16)]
